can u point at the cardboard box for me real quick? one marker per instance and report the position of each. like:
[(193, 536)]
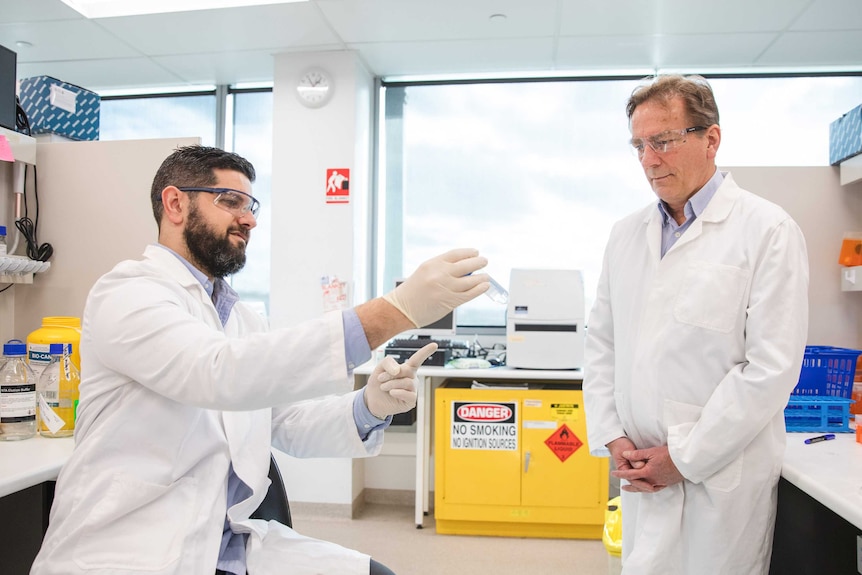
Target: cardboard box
[(57, 107), (845, 136)]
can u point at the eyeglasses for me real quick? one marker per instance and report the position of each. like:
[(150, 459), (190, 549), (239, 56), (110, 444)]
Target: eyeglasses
[(234, 201), (664, 142)]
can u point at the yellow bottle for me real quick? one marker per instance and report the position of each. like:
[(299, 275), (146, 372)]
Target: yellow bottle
[(58, 393), (55, 329)]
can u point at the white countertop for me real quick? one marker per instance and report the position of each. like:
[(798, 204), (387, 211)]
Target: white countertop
[(32, 461), (503, 372), (829, 471)]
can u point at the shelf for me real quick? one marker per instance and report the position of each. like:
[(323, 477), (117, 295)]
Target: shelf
[(851, 278), (23, 147), (19, 269)]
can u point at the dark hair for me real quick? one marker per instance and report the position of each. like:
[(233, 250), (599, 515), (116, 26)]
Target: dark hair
[(695, 91), (193, 166)]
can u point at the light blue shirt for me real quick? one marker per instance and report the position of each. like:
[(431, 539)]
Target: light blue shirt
[(356, 350), (670, 231)]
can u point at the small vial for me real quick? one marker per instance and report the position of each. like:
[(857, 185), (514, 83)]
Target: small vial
[(2, 241), (497, 293)]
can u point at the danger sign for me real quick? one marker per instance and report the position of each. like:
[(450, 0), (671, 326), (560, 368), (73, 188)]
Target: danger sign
[(563, 442), (337, 186), (484, 426)]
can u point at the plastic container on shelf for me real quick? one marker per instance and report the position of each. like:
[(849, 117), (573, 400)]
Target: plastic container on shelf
[(851, 249), (58, 393), (55, 329), (17, 393)]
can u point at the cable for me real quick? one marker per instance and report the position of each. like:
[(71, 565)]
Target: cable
[(28, 228), (22, 123)]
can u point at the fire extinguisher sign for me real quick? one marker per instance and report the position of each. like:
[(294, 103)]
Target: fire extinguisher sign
[(484, 426)]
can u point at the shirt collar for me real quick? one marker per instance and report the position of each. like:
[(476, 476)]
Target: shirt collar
[(698, 202), (199, 275)]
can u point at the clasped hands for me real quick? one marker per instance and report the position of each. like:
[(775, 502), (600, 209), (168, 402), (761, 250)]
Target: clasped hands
[(391, 388), (647, 470)]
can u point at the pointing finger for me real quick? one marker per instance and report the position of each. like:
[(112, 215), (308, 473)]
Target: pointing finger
[(421, 355)]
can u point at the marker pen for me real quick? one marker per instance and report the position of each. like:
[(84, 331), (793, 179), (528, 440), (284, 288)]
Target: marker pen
[(820, 438)]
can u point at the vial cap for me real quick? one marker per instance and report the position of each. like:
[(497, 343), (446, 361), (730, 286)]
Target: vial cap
[(14, 347), (2, 230), (58, 348)]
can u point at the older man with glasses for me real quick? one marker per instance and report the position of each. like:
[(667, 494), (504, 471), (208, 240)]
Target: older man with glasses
[(693, 347)]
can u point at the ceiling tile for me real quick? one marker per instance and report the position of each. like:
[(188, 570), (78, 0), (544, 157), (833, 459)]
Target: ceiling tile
[(62, 41), (830, 15), (415, 20), (457, 57), (97, 75), (254, 28), (815, 49), (35, 11)]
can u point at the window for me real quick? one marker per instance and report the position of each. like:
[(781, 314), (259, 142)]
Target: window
[(163, 116), (248, 132), (535, 173)]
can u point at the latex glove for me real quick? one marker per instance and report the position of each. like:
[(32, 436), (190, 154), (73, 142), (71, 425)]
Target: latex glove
[(440, 285), (391, 388)]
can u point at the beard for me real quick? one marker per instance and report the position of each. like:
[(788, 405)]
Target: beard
[(215, 254)]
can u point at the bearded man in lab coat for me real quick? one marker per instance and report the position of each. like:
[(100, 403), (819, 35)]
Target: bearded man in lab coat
[(184, 391), (693, 347)]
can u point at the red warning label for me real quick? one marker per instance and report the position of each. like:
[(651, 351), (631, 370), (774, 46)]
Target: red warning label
[(563, 442)]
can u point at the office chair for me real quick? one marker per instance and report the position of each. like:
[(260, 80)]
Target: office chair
[(275, 506)]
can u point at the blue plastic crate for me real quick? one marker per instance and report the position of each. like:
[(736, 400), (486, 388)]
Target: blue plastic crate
[(809, 414), (827, 371)]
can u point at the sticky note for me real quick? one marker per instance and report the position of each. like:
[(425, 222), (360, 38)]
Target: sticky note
[(5, 150)]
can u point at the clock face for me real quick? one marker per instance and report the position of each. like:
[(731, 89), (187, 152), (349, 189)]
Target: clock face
[(314, 88)]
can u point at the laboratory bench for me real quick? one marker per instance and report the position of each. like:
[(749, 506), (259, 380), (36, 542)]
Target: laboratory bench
[(818, 528), (28, 470)]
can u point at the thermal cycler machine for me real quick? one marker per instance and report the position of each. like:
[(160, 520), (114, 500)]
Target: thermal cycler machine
[(545, 319)]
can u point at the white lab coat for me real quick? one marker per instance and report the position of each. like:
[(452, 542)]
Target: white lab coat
[(699, 351), (169, 401)]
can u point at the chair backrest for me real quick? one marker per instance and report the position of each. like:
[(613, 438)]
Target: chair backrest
[(275, 506)]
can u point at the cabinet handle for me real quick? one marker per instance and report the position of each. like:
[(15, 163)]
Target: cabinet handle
[(526, 462)]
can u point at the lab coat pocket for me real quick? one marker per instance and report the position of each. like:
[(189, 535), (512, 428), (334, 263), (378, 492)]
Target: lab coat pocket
[(680, 418), (710, 295), (136, 525)]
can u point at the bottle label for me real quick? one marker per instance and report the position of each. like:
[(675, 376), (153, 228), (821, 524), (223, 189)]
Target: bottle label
[(17, 403), (49, 418)]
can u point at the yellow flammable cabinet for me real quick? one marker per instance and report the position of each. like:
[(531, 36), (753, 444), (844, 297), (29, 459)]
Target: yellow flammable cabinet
[(514, 462)]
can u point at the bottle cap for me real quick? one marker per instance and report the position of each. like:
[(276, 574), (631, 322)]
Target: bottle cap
[(2, 230), (14, 347), (58, 348)]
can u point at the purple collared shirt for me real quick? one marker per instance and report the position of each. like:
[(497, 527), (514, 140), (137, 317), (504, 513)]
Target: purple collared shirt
[(670, 231)]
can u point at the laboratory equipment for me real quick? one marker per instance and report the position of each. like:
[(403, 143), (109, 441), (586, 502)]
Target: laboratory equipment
[(17, 393), (58, 393), (497, 293), (545, 319), (54, 329)]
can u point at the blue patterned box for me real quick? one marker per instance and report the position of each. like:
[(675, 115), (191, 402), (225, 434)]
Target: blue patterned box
[(845, 136), (61, 108)]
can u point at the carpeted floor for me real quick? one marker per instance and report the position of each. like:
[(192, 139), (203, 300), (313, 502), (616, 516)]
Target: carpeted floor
[(388, 533)]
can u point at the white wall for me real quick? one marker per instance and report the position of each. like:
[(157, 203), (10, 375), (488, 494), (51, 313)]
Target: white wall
[(311, 238)]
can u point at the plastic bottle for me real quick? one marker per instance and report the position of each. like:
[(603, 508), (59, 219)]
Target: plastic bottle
[(55, 329), (58, 393), (17, 393)]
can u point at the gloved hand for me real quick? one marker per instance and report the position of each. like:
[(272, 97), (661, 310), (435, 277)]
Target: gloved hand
[(391, 388), (440, 285)]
